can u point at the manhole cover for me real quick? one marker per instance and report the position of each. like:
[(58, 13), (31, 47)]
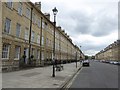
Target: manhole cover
[(30, 74)]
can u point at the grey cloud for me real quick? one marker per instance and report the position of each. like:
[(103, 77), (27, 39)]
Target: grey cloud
[(85, 24), (88, 45), (105, 25), (82, 22)]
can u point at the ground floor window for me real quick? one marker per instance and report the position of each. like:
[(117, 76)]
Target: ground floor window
[(38, 54), (42, 55), (5, 51), (17, 52)]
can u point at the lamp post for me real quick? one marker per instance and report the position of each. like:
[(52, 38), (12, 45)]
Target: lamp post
[(54, 12), (76, 58), (76, 55), (80, 55)]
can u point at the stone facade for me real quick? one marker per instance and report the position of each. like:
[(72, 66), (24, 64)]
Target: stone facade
[(111, 52), (27, 37)]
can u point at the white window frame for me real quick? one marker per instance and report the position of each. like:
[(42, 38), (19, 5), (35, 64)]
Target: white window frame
[(38, 54), (33, 17), (33, 52), (42, 40), (39, 23), (9, 4), (26, 34), (7, 26), (18, 29), (28, 13), (43, 24), (20, 8), (42, 56), (38, 39), (8, 48), (32, 36), (17, 53)]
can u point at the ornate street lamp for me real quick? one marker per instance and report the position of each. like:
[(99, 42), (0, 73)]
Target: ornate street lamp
[(54, 12)]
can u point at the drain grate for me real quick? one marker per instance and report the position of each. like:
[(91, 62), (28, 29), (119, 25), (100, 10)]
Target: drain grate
[(30, 74)]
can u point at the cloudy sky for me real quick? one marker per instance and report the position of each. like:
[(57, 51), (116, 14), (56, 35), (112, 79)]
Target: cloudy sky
[(92, 24)]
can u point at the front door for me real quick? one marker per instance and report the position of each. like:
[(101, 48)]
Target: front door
[(26, 54)]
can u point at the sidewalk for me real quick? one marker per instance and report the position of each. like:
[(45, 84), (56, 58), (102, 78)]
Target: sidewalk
[(39, 77)]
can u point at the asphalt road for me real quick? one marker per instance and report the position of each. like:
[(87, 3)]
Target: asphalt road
[(98, 75)]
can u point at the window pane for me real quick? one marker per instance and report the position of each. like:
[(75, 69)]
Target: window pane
[(42, 40), (28, 13), (26, 34), (38, 54), (38, 39), (17, 52), (32, 36), (9, 3), (20, 8), (18, 30), (7, 25), (43, 25), (5, 51), (39, 23)]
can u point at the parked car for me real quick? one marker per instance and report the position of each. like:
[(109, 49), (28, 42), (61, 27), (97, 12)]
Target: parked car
[(119, 63), (111, 62), (86, 63), (115, 62), (103, 61)]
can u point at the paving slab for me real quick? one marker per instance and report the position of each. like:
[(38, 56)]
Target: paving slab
[(40, 77)]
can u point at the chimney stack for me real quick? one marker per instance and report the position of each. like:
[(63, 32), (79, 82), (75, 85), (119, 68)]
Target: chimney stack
[(59, 27), (47, 15), (38, 5)]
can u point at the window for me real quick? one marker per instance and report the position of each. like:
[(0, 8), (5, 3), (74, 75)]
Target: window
[(10, 4), (32, 36), (38, 39), (5, 51), (20, 9), (42, 40), (42, 55), (33, 18), (38, 54), (33, 52), (28, 13), (17, 52), (18, 30), (26, 34), (43, 25), (7, 25), (39, 23), (47, 41)]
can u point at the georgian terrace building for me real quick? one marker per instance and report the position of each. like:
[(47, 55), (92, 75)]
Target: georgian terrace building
[(111, 52), (27, 37)]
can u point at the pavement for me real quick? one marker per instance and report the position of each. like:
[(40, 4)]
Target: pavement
[(40, 77)]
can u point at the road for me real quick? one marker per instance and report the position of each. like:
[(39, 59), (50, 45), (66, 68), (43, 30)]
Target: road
[(98, 75)]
